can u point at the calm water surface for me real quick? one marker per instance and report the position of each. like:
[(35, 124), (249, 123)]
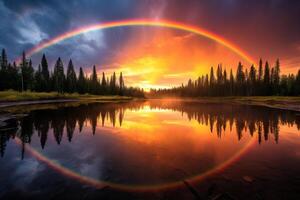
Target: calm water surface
[(154, 150)]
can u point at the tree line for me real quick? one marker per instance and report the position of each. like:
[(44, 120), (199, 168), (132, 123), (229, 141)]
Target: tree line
[(264, 81), (24, 77)]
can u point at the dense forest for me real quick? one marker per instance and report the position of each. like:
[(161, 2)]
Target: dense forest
[(264, 81), (23, 77)]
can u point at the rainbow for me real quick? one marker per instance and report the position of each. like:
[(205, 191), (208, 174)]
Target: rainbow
[(142, 22), (131, 187)]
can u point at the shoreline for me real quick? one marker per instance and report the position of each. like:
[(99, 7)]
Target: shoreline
[(9, 99), (13, 98), (11, 110), (275, 102)]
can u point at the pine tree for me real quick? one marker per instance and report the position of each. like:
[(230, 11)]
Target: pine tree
[(240, 76), (219, 74), (266, 80), (38, 80), (3, 70), (81, 82), (252, 80), (121, 84), (45, 74), (297, 84), (252, 75), (103, 84), (4, 61), (240, 79), (212, 76), (113, 83), (277, 77), (30, 73), (12, 77), (206, 84), (231, 82), (71, 78), (94, 81), (260, 71), (59, 76), (225, 75), (27, 73)]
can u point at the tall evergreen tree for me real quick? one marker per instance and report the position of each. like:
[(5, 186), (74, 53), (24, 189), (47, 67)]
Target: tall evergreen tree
[(13, 78), (3, 70), (277, 77), (260, 71), (297, 84), (4, 60), (103, 81), (219, 74), (266, 80), (231, 82), (113, 83), (27, 73), (103, 84), (240, 79), (94, 81), (121, 84), (252, 75), (71, 78), (59, 76), (38, 80), (45, 75), (81, 82), (212, 76), (240, 76)]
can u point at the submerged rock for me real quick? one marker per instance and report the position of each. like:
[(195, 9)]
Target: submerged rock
[(248, 179)]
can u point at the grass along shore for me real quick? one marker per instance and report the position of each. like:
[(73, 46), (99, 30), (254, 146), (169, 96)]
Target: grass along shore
[(279, 102), (15, 96), (23, 102)]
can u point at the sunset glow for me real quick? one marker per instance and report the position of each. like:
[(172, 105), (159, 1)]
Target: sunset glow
[(146, 100), (164, 58)]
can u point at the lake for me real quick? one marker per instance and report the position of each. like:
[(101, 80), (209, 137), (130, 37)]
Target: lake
[(155, 149)]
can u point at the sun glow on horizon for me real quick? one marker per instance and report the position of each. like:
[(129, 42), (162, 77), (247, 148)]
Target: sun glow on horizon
[(162, 54)]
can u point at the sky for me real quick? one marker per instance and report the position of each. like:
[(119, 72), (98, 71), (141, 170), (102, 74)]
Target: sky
[(154, 56)]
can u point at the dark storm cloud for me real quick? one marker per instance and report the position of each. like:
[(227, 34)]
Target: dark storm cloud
[(26, 23)]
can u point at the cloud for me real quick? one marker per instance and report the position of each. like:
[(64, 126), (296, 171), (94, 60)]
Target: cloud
[(29, 22), (265, 29), (29, 31)]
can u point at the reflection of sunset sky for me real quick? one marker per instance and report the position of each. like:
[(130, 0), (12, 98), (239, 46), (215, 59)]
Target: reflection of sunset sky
[(159, 140), (171, 140)]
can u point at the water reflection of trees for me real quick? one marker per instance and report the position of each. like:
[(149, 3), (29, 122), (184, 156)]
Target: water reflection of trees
[(219, 117), (254, 120)]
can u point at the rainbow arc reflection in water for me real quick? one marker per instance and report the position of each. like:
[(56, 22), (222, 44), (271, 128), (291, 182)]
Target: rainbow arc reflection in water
[(135, 115)]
